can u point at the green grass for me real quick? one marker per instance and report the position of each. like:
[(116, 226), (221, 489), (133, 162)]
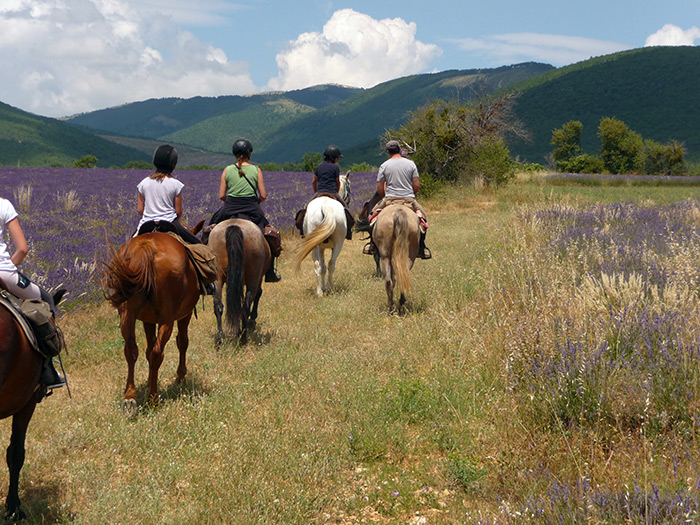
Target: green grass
[(335, 411)]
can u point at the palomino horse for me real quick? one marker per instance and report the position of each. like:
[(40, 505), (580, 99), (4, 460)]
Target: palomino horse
[(151, 279), (324, 229), (243, 257), (396, 234), (20, 368)]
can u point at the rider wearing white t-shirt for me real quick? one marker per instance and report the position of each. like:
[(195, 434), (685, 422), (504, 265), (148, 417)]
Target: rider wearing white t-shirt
[(160, 197), (18, 284)]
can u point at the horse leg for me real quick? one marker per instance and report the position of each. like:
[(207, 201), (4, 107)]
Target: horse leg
[(15, 459), (320, 270), (150, 330), (131, 353), (254, 310), (388, 282), (219, 312), (164, 333), (402, 304), (183, 341)]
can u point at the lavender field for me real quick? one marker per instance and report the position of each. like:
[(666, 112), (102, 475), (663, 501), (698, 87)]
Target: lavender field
[(68, 214)]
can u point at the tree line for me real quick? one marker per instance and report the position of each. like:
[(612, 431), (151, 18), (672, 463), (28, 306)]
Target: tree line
[(622, 151)]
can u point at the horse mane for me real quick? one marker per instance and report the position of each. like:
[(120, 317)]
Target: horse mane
[(345, 191), (130, 272)]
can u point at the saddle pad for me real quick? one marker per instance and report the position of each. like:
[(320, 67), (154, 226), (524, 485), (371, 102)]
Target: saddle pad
[(6, 300)]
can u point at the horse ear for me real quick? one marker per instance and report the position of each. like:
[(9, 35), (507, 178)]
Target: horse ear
[(58, 296), (198, 227)]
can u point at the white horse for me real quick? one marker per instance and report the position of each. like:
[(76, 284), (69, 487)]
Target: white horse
[(324, 229)]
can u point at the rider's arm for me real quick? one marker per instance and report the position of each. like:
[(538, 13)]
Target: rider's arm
[(314, 183), (381, 187), (17, 236), (222, 187), (141, 204), (415, 182), (261, 186), (178, 205), (337, 184)]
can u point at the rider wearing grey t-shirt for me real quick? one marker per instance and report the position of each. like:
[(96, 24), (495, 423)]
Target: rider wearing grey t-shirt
[(398, 181)]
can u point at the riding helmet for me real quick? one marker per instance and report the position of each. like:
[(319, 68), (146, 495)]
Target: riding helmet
[(165, 158), (332, 152), (242, 147)]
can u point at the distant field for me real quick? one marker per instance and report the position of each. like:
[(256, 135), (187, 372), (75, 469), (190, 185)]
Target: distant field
[(546, 372), (67, 213)]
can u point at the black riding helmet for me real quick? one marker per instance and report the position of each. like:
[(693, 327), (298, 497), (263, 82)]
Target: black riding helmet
[(332, 152), (165, 158), (242, 147)]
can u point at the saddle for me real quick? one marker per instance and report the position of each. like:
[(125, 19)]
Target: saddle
[(423, 224), (35, 319), (204, 262)]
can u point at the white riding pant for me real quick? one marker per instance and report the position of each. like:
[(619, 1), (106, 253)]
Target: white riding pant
[(11, 280)]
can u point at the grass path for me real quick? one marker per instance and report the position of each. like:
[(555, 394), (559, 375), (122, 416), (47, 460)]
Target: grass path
[(264, 432)]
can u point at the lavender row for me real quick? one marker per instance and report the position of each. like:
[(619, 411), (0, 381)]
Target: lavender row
[(69, 214)]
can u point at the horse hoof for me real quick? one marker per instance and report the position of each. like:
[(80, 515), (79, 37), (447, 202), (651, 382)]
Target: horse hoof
[(129, 408), (15, 515)]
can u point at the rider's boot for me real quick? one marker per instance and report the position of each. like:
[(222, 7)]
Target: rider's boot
[(272, 275), (350, 223), (299, 221), (423, 250), (50, 378)]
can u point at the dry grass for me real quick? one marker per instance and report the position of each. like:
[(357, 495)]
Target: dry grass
[(336, 412)]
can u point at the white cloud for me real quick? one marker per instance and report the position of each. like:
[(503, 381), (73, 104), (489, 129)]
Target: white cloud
[(670, 35), (61, 57), (353, 49), (557, 50)]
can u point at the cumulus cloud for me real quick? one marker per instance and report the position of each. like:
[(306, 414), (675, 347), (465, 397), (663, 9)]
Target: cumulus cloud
[(557, 50), (61, 57), (353, 49), (670, 35)]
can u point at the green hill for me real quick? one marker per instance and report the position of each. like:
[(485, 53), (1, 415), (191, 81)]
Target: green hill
[(157, 118), (653, 90), (30, 140)]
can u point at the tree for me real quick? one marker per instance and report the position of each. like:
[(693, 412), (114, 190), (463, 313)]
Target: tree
[(88, 161), (567, 141), (453, 142), (138, 165), (310, 160), (621, 149)]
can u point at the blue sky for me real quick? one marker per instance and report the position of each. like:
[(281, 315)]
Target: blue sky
[(62, 57)]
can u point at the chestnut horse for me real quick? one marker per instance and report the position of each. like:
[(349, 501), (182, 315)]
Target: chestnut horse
[(20, 368), (151, 279), (396, 234), (243, 257)]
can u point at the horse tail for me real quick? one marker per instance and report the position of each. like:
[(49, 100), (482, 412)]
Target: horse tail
[(314, 239), (131, 272), (400, 261), (234, 279)]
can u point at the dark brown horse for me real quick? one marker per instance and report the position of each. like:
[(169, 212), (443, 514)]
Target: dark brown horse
[(151, 279), (396, 233), (243, 257), (20, 368)]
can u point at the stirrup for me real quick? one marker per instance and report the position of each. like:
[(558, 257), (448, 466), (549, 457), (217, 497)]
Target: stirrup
[(427, 254), (368, 249)]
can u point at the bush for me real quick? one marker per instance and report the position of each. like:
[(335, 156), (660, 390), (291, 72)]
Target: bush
[(582, 164)]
